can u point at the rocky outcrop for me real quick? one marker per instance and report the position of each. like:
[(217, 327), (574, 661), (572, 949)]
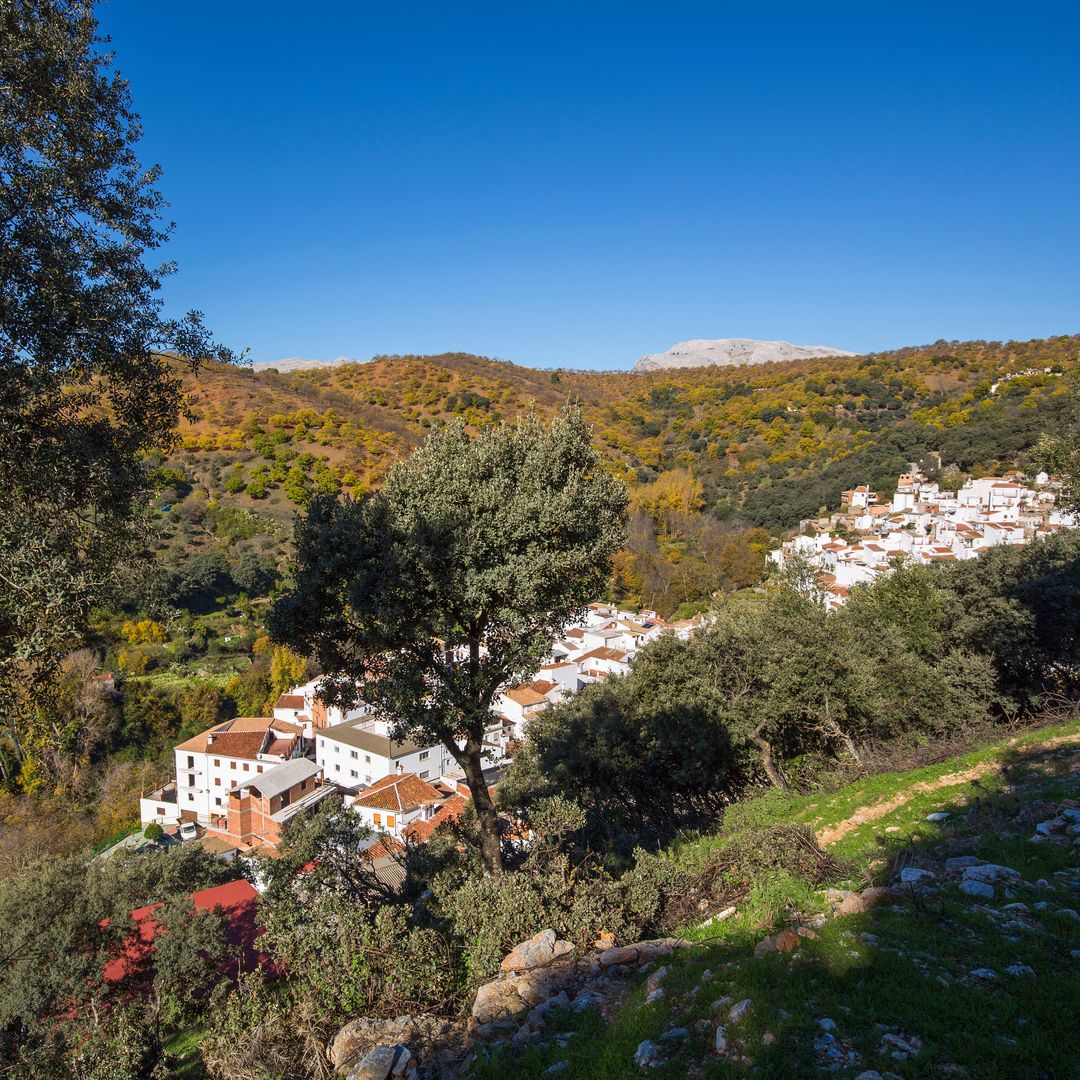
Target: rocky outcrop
[(702, 352), (535, 977)]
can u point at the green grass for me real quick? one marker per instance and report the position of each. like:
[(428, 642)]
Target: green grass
[(911, 975), (183, 1049)]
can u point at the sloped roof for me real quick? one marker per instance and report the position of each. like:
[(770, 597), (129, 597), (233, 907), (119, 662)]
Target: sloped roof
[(281, 777), (398, 793)]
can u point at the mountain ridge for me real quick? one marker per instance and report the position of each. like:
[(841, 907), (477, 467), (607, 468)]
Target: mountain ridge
[(733, 352)]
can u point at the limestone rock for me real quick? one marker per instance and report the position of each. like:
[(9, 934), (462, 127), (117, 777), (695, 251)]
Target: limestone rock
[(539, 951), (385, 1063)]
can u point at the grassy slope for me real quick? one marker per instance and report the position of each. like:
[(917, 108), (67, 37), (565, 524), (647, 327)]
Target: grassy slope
[(912, 975)]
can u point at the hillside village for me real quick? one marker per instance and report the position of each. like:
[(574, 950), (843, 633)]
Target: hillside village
[(925, 523), (239, 782)]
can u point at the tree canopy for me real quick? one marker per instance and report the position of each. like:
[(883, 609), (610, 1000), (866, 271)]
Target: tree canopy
[(450, 582), (84, 389)]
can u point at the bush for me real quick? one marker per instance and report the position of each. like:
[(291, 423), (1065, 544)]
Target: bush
[(153, 831)]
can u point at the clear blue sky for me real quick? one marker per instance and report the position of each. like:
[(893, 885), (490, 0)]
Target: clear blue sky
[(578, 184)]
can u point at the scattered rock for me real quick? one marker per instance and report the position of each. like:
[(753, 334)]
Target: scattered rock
[(739, 1010), (675, 1033), (1018, 971), (647, 1055), (653, 996), (721, 1041), (720, 916), (558, 1067), (898, 1045), (384, 1062), (625, 954), (938, 815), (990, 872), (962, 862), (787, 941), (768, 1039), (834, 1054), (539, 951), (870, 1074), (986, 974), (915, 875), (656, 978), (806, 932), (826, 1023), (426, 1035), (977, 888)]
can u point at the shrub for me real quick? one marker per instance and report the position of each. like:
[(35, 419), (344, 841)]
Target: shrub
[(153, 831)]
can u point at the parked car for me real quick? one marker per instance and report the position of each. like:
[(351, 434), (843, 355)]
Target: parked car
[(187, 831)]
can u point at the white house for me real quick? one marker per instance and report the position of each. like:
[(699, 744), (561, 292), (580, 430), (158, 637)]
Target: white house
[(359, 753), (213, 762), (395, 802)]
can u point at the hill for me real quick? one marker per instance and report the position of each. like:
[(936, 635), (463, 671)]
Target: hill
[(731, 351), (769, 443), (949, 950)]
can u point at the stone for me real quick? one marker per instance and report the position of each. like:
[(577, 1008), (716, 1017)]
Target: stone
[(739, 1010), (915, 875), (720, 916), (962, 862), (1048, 828), (765, 946), (986, 974), (1068, 913), (384, 1063), (898, 1045), (787, 941), (806, 932), (539, 951), (938, 815), (647, 1055), (1072, 814), (558, 1067), (870, 1074), (826, 1023), (990, 872), (605, 940), (421, 1032), (1018, 971), (625, 954), (656, 978), (981, 889), (655, 995), (675, 1033), (721, 1040)]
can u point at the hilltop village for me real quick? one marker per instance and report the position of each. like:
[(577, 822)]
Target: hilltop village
[(925, 523)]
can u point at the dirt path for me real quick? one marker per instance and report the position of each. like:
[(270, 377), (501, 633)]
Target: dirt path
[(886, 806)]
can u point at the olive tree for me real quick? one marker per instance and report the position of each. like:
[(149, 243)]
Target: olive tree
[(429, 596)]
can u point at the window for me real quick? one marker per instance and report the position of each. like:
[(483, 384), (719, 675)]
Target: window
[(354, 754), (425, 774), (217, 781), (353, 773), (389, 821), (247, 767), (217, 763), (232, 765), (337, 768), (425, 755), (258, 768), (191, 780), (190, 761), (377, 818), (161, 811), (367, 759), (337, 748), (190, 797), (367, 778), (217, 802)]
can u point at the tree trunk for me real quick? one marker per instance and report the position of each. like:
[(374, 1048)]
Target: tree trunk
[(768, 762), (490, 845)]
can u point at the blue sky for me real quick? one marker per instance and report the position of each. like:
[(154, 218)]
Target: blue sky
[(579, 184)]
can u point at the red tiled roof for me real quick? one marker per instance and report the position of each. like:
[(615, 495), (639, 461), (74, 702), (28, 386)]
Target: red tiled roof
[(398, 793), (237, 901), (421, 831), (290, 701), (603, 654)]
